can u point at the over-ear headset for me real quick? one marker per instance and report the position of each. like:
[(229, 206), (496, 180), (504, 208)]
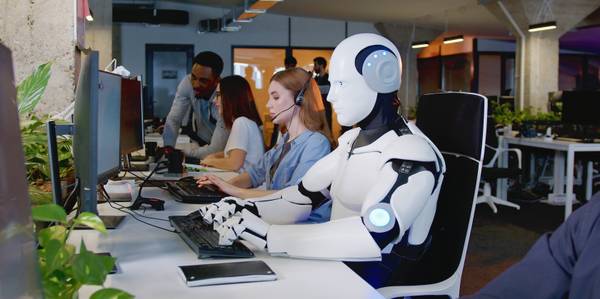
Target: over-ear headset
[(300, 96), (298, 100), (379, 67)]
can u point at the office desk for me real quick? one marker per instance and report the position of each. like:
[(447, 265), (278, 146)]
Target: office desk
[(561, 148), (148, 258)]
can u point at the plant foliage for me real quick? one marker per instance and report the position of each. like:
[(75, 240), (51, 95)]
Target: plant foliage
[(64, 270)]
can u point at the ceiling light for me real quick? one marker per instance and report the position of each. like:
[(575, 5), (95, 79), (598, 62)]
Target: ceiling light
[(418, 45), (255, 11), (242, 20), (453, 39), (542, 26), (231, 28)]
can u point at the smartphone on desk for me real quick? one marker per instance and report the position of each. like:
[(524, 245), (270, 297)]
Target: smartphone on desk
[(226, 273)]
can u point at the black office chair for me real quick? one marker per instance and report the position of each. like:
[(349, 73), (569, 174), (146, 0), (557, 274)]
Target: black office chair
[(456, 123), (490, 172)]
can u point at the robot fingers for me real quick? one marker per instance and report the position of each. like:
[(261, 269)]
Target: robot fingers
[(243, 225)]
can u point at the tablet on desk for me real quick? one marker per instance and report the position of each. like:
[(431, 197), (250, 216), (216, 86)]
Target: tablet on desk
[(226, 273)]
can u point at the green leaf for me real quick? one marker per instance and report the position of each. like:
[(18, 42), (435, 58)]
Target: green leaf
[(49, 213), (57, 232), (91, 220), (110, 293), (56, 256), (31, 90), (89, 268)]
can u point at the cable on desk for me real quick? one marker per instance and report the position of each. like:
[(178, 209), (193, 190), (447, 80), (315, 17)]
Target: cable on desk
[(153, 183), (132, 213)]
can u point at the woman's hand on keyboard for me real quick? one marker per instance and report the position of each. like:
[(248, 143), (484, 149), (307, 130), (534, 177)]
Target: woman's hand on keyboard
[(224, 186)]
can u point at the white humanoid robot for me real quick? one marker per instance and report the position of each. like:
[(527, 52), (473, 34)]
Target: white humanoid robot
[(384, 178)]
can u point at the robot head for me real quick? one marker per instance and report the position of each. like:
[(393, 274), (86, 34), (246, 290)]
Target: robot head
[(362, 66)]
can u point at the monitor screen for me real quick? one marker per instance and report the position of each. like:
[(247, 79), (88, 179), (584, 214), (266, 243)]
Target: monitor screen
[(109, 125), (132, 123), (19, 277), (581, 107)]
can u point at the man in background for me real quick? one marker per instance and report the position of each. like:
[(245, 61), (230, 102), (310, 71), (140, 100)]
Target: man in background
[(194, 106), (322, 78)]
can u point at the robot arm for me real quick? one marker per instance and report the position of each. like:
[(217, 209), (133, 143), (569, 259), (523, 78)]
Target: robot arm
[(402, 201), (391, 208), (409, 180)]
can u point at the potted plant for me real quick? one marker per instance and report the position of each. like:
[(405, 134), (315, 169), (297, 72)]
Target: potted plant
[(506, 117), (63, 270), (33, 134)]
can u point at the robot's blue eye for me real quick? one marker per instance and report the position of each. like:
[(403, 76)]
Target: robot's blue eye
[(368, 64), (375, 56), (384, 53), (379, 217)]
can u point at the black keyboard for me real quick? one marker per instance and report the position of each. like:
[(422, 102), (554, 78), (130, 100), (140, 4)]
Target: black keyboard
[(204, 240), (189, 192)]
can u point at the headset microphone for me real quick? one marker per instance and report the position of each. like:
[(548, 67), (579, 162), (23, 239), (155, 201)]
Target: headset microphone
[(282, 111)]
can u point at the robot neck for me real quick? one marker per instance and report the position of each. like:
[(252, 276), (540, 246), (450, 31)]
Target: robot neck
[(382, 119)]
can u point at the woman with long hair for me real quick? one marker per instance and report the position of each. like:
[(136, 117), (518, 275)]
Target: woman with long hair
[(294, 101), (244, 147)]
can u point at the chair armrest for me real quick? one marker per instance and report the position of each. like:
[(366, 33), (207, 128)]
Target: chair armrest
[(494, 158), (516, 150)]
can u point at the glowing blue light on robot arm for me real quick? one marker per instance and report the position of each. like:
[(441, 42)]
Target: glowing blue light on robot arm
[(379, 217)]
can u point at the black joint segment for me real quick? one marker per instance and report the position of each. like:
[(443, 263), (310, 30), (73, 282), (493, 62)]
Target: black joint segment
[(316, 198)]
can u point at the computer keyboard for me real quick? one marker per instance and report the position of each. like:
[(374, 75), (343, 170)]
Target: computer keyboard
[(204, 240), (188, 191)]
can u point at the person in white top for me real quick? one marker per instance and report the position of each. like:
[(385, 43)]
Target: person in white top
[(245, 146)]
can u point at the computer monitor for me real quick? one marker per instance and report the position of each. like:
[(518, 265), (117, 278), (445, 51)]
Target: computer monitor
[(132, 121), (96, 146), (581, 107), (109, 126), (19, 275)]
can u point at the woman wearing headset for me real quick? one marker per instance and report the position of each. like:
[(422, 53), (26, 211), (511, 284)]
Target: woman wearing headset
[(294, 101)]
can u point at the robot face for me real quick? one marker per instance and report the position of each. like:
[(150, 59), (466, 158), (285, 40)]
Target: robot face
[(352, 94)]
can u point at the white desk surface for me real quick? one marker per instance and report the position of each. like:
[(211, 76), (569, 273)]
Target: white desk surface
[(562, 190), (148, 259), (555, 144)]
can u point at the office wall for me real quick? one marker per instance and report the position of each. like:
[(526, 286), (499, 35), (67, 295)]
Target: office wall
[(38, 32), (265, 30), (98, 34)]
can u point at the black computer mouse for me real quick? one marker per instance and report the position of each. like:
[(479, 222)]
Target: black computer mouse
[(189, 179)]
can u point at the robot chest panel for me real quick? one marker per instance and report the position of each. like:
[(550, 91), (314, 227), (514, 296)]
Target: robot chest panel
[(354, 179)]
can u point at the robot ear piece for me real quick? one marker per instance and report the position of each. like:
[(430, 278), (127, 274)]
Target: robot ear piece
[(380, 69)]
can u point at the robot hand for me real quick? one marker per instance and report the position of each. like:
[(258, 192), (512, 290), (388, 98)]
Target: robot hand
[(245, 225), (220, 211)]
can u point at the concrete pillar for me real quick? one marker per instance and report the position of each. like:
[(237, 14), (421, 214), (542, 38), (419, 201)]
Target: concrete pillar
[(38, 32), (98, 34), (537, 52), (402, 36)]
